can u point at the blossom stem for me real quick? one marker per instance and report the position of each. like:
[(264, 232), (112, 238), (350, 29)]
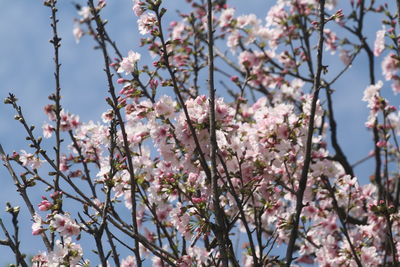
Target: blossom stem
[(340, 156)]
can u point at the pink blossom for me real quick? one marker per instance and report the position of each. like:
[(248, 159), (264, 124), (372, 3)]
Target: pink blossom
[(198, 200), (107, 116), (234, 79), (68, 121), (59, 221), (30, 160), (157, 262), (344, 56), (369, 256), (64, 164), (200, 254), (181, 221), (379, 42), (65, 251), (248, 59), (56, 195), (330, 4), (47, 130), (128, 63), (40, 259), (248, 260), (381, 143), (330, 40), (128, 262), (77, 32), (177, 30), (233, 40), (338, 15), (70, 229), (45, 205), (163, 210), (138, 8), (371, 92), (85, 12), (247, 20), (390, 66), (261, 149), (329, 225), (276, 15), (286, 60), (37, 225), (146, 23), (305, 259), (49, 110), (64, 225), (226, 17), (185, 261), (165, 107), (121, 80), (153, 84), (265, 33), (396, 86)]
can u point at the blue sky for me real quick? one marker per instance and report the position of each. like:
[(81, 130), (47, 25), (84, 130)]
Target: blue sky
[(26, 69)]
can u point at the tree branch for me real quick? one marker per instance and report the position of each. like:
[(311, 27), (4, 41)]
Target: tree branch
[(307, 160)]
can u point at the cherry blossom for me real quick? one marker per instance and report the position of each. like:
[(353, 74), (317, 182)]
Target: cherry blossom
[(64, 225), (138, 7), (128, 64), (146, 23), (128, 262), (37, 225), (30, 160), (85, 12), (78, 33), (379, 42), (144, 172)]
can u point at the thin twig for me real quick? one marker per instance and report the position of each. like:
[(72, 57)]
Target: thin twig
[(22, 191)]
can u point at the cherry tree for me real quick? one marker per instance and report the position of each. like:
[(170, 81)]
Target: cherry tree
[(253, 158)]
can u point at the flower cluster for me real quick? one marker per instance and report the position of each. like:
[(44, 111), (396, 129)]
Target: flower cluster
[(185, 175)]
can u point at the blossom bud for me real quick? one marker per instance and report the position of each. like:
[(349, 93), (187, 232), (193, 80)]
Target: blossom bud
[(234, 79), (121, 80), (381, 143), (45, 205), (197, 200), (153, 84)]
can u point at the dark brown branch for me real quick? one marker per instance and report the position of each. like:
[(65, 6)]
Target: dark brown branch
[(307, 160), (340, 156), (220, 232), (14, 245)]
